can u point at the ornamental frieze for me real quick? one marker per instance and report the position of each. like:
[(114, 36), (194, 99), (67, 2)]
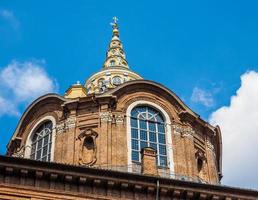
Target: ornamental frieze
[(109, 117), (67, 124), (119, 118), (105, 116), (183, 131)]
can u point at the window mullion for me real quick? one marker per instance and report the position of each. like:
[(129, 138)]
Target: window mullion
[(42, 143), (138, 138), (49, 145), (157, 138)]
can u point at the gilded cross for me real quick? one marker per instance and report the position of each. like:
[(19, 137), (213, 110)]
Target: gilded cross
[(115, 19), (114, 23)]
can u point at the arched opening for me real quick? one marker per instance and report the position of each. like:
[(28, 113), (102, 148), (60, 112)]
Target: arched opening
[(41, 142), (168, 164), (148, 130), (112, 63)]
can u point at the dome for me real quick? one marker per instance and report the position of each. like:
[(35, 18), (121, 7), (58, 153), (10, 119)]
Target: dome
[(109, 78)]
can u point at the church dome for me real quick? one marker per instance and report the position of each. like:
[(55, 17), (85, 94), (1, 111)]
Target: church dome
[(115, 69)]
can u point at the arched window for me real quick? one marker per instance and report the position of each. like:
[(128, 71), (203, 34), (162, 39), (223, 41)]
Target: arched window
[(41, 142), (112, 63), (148, 130)]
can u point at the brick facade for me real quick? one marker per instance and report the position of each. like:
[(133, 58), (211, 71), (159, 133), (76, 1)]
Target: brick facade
[(103, 118)]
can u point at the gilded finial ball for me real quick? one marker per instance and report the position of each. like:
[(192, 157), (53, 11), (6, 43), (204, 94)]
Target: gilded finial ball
[(115, 31)]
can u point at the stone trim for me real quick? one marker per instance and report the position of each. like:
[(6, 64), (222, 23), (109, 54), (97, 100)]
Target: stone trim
[(148, 99), (119, 118), (105, 116), (109, 117), (67, 124), (36, 176), (183, 131)]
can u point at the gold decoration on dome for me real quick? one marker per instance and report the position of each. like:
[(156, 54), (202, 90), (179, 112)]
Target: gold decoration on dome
[(115, 55), (115, 68)]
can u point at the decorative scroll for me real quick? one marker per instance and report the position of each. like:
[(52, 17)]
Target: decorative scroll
[(88, 148), (20, 151)]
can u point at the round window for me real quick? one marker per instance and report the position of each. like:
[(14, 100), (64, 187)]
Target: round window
[(116, 80)]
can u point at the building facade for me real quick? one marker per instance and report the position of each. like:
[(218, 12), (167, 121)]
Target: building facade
[(118, 136)]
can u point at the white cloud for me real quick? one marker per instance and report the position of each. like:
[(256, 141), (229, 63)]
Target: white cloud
[(239, 126), (202, 96), (10, 18), (21, 82), (7, 107)]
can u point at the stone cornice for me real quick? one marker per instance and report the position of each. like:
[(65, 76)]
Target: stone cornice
[(76, 175)]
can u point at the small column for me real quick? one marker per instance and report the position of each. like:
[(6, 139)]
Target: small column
[(149, 161)]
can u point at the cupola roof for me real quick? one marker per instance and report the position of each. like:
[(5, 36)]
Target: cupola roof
[(115, 69)]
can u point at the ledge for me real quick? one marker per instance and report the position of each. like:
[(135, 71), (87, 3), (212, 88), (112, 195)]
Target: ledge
[(71, 177)]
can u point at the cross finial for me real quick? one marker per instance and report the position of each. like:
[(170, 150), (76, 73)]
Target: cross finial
[(114, 23), (115, 19)]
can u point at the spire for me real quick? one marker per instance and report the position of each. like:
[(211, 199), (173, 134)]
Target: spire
[(115, 56)]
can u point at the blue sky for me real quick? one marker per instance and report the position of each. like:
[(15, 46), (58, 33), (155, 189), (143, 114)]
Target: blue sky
[(204, 51)]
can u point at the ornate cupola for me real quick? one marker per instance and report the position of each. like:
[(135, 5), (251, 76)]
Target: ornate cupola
[(115, 69)]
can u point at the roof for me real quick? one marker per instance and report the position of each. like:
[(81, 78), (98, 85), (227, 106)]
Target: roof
[(73, 174)]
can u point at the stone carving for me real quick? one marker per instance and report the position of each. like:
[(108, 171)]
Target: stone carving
[(183, 131), (88, 148), (106, 117), (19, 152), (109, 117), (67, 124), (209, 145), (119, 118)]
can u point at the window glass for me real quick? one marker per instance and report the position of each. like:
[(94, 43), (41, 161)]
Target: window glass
[(143, 124), (144, 144), (135, 155), (134, 122), (135, 145), (161, 128), (41, 142), (152, 126), (162, 150), (152, 137), (162, 138), (134, 133), (148, 130), (143, 135), (153, 145), (163, 160)]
